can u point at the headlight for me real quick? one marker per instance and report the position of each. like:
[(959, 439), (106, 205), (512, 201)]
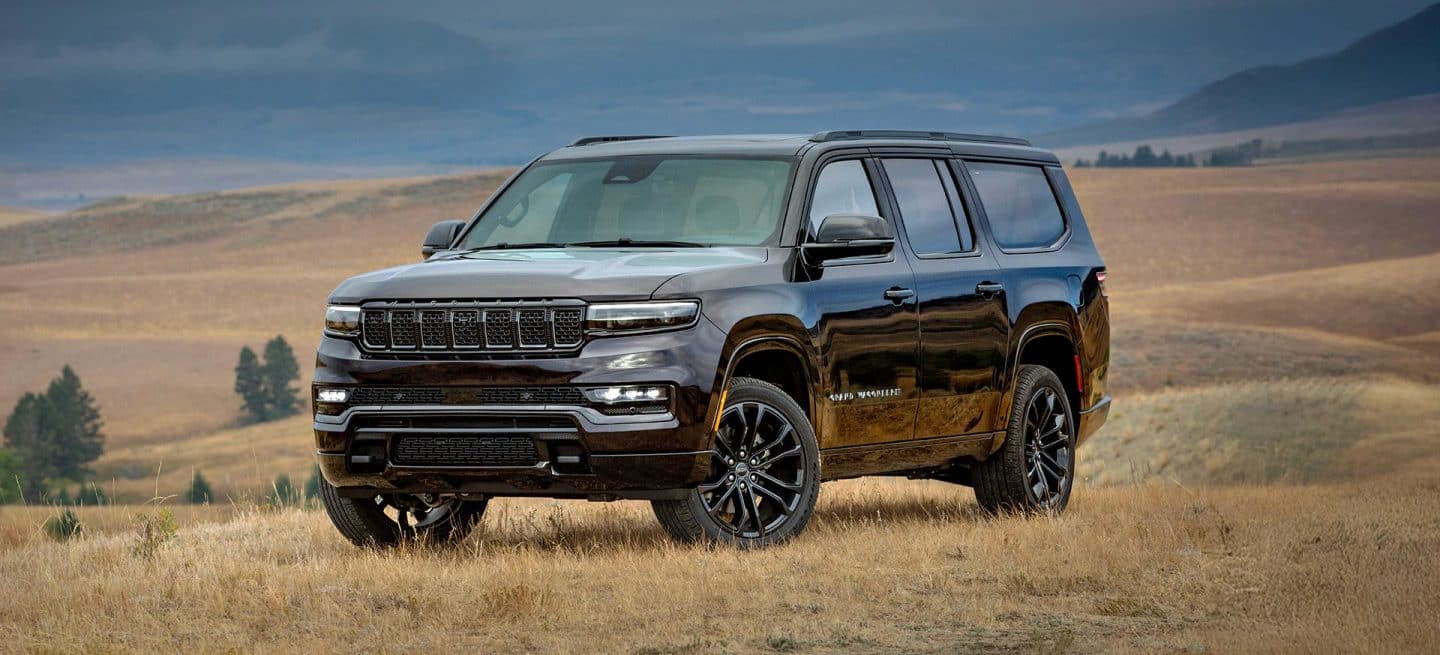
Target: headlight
[(622, 318), (342, 321)]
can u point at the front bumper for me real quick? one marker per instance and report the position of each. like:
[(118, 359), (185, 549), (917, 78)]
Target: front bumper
[(619, 456)]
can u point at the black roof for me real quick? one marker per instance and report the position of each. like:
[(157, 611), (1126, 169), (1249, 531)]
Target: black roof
[(789, 145)]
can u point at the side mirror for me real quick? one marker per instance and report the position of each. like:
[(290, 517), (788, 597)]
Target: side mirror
[(843, 235), (440, 236)]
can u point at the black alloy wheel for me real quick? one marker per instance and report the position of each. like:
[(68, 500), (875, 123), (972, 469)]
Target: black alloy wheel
[(1034, 469), (764, 473), (757, 477), (1049, 459)]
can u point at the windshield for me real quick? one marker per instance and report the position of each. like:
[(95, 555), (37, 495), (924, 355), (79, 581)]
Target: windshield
[(660, 199)]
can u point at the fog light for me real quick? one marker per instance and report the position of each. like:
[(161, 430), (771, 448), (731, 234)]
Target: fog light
[(332, 395), (627, 394)]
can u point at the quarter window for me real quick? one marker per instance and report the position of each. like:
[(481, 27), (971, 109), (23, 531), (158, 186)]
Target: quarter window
[(842, 188), (1020, 204), (925, 206)]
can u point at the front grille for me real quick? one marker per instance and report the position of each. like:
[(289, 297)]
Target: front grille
[(466, 396), (551, 326), (464, 450)]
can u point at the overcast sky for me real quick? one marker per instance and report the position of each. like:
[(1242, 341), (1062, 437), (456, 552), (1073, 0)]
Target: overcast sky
[(470, 83)]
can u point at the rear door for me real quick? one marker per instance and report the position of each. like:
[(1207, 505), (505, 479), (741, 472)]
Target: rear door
[(964, 330)]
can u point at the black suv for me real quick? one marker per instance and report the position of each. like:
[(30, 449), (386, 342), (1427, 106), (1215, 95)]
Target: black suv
[(717, 325)]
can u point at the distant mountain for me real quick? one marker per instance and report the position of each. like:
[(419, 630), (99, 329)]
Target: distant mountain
[(1399, 61)]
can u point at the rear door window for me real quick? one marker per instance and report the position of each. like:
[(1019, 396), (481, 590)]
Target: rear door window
[(1019, 203), (924, 198)]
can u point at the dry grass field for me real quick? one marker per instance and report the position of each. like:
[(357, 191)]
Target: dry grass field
[(1269, 479), (887, 567)]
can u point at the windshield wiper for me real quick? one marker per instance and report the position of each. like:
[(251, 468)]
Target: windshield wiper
[(505, 245), (639, 243)]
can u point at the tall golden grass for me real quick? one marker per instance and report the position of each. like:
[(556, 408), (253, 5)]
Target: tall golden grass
[(885, 567)]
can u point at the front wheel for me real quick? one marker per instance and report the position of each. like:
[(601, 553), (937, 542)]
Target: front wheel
[(1034, 470), (764, 473), (386, 520)]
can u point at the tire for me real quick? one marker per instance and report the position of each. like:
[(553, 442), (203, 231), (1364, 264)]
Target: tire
[(754, 457), (1034, 470), (368, 522)]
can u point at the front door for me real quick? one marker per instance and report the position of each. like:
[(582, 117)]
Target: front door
[(865, 322), (964, 330)]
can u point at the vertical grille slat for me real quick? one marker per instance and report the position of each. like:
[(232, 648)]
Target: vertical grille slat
[(479, 327), (533, 328), (402, 329), (465, 324), (376, 326), (499, 328), (435, 329), (568, 325)]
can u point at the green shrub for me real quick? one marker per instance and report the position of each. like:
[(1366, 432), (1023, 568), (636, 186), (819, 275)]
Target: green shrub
[(153, 530), (63, 526)]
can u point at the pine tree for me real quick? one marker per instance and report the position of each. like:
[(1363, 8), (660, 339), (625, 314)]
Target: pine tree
[(250, 386), (278, 371), (28, 444), (1144, 156), (75, 428), (199, 492), (10, 476)]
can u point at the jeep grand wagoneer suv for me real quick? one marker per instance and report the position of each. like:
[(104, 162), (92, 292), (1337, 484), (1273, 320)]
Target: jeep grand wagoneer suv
[(718, 325)]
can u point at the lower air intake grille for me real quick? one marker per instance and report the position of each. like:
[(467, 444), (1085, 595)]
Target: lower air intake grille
[(464, 450)]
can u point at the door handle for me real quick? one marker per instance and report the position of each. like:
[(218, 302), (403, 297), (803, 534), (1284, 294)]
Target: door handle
[(898, 295), (989, 288)]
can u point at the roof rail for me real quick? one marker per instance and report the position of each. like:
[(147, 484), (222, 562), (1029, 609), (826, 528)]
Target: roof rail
[(587, 140), (837, 135)]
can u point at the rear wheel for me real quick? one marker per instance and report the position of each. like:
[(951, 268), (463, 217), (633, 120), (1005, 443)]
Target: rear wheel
[(386, 520), (764, 474), (1034, 470)]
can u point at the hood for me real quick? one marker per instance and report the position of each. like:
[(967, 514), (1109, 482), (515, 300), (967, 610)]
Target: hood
[(587, 273)]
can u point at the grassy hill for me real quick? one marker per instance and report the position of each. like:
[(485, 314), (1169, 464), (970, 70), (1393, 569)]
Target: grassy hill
[(16, 215)]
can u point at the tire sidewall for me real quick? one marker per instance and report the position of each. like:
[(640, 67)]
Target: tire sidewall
[(1033, 379), (749, 390)]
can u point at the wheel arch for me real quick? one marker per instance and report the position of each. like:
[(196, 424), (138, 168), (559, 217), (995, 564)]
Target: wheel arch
[(779, 358), (1047, 334)]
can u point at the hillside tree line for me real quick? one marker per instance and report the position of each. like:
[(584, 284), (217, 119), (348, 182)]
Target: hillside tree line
[(1144, 157)]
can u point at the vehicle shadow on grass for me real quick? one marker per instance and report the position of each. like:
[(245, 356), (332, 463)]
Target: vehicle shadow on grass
[(879, 509), (558, 530)]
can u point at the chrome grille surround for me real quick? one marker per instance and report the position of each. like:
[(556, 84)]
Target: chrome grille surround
[(472, 327)]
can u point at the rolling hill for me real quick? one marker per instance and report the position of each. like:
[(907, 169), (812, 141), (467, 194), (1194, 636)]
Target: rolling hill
[(1400, 61)]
